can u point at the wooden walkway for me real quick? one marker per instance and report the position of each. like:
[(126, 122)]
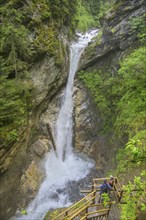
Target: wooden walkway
[(89, 208)]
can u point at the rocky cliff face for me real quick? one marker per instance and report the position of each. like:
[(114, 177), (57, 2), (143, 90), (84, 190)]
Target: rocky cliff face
[(116, 36), (22, 172), (88, 127)]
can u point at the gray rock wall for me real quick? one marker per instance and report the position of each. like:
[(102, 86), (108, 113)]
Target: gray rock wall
[(88, 136), (22, 163)]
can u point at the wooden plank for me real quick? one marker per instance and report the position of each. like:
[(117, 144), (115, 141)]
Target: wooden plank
[(100, 204), (88, 191), (85, 191), (98, 211), (80, 209)]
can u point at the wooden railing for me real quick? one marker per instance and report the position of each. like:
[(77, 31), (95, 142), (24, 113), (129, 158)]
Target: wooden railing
[(83, 213), (100, 211), (73, 210), (86, 207), (90, 215), (117, 189)]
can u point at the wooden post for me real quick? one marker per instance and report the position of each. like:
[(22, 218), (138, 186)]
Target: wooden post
[(51, 137), (121, 193)]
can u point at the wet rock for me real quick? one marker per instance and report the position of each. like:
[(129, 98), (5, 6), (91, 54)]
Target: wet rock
[(74, 187), (59, 191), (54, 196), (40, 147)]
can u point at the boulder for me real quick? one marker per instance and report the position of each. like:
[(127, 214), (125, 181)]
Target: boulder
[(40, 147)]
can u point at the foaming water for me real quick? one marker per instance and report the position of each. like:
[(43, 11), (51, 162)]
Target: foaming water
[(67, 166)]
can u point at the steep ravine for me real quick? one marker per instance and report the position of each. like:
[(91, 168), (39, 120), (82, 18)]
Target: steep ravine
[(22, 171)]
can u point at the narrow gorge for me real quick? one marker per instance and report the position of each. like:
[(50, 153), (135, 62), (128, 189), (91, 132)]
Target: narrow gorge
[(89, 86)]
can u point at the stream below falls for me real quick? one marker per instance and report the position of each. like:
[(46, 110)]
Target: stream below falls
[(67, 173)]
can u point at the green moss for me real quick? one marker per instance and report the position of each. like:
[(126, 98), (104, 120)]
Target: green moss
[(116, 6), (99, 36), (121, 99), (15, 103), (85, 19), (113, 30), (52, 214)]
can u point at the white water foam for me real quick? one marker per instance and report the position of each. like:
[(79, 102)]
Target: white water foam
[(68, 166)]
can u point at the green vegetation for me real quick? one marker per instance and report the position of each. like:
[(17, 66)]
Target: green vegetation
[(84, 18), (90, 11), (52, 214), (29, 31), (131, 107), (134, 197), (121, 102), (138, 25), (15, 104), (14, 50), (106, 199), (100, 90), (105, 6), (131, 160), (134, 153)]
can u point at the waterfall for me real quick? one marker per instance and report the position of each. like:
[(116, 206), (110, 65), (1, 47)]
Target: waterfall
[(64, 122), (68, 166)]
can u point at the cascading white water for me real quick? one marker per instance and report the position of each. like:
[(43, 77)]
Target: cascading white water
[(68, 166), (64, 121)]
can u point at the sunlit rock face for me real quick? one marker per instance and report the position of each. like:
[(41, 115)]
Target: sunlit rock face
[(83, 120), (46, 76), (30, 183), (88, 137)]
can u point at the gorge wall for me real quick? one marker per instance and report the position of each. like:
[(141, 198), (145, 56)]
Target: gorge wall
[(21, 167), (117, 38), (34, 68), (22, 173)]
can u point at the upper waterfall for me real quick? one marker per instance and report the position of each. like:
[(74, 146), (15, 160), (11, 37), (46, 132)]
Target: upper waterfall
[(64, 122)]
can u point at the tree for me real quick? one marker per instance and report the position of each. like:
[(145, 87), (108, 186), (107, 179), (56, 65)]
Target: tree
[(15, 50)]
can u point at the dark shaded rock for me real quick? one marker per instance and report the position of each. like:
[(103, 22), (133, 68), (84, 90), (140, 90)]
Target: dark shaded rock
[(54, 196)]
